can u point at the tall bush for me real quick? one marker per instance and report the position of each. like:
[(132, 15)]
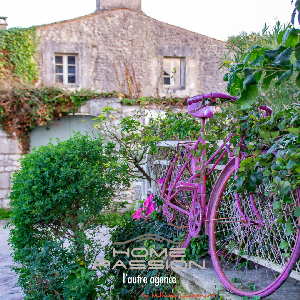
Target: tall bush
[(57, 196)]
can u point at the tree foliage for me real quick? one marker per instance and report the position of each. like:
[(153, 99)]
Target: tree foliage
[(56, 199)]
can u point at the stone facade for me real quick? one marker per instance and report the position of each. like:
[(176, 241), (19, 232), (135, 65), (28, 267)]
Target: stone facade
[(108, 42), (103, 5), (10, 153), (119, 48)]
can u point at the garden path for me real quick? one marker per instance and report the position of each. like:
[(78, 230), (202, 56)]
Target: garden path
[(8, 278)]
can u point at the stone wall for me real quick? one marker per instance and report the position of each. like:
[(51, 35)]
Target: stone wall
[(9, 155), (107, 42), (10, 149), (112, 4)]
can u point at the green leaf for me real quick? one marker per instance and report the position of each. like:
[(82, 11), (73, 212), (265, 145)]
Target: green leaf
[(297, 51), (225, 77), (288, 227), (274, 134), (290, 37), (284, 245), (276, 205), (211, 138), (258, 75), (297, 212), (237, 151), (251, 184), (293, 130), (280, 36), (265, 135), (185, 158), (193, 152), (298, 81), (267, 79), (290, 164), (297, 65), (249, 80), (285, 76), (271, 54), (282, 125), (248, 72), (198, 171), (257, 62), (283, 58), (248, 96)]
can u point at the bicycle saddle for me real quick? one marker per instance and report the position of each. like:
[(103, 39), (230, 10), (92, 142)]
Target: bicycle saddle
[(205, 110)]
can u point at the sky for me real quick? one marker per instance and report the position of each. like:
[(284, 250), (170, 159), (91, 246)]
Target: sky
[(214, 18)]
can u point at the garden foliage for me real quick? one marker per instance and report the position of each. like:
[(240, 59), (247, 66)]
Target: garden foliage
[(56, 199), (130, 229)]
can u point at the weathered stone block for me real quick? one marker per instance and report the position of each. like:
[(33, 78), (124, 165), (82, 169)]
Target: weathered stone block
[(5, 203), (9, 146), (11, 168), (4, 180), (17, 164), (3, 193), (2, 133), (5, 163), (14, 157), (96, 105)]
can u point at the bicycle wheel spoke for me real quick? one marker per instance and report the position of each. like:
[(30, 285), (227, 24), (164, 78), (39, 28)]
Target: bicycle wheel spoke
[(247, 252)]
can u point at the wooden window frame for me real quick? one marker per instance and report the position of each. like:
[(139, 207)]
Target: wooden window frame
[(65, 65), (182, 73)]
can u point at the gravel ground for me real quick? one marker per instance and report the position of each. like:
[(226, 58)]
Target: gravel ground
[(8, 278)]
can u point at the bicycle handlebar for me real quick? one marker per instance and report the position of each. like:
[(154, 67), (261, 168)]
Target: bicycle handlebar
[(213, 96)]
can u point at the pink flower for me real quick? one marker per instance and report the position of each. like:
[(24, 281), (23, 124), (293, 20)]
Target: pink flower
[(148, 201), (160, 181), (148, 206), (151, 208), (138, 214)]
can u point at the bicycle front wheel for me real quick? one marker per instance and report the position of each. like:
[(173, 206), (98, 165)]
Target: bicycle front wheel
[(253, 256)]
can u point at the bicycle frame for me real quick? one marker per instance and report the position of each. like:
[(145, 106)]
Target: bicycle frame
[(201, 186)]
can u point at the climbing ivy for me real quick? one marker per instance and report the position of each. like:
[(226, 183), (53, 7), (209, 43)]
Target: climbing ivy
[(22, 109), (18, 53)]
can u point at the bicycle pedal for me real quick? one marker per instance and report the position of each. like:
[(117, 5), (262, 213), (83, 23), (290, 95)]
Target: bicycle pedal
[(185, 186)]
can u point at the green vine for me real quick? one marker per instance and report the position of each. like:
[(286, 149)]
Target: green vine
[(23, 108), (18, 53), (154, 100)]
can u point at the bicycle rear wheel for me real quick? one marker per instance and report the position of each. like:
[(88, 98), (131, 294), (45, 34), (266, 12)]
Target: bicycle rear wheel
[(248, 255), (181, 222)]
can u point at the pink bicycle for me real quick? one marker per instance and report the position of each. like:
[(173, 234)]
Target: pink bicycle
[(243, 228)]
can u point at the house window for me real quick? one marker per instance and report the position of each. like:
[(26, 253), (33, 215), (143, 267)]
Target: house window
[(173, 71), (66, 69)]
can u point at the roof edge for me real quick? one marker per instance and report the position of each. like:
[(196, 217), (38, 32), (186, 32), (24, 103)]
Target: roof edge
[(123, 8)]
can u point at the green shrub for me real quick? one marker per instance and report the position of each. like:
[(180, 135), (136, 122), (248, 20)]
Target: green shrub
[(4, 214), (57, 196), (129, 229)]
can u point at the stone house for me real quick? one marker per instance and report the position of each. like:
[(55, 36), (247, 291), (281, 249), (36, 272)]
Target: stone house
[(116, 48)]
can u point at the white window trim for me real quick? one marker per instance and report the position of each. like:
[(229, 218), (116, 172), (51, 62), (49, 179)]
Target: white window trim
[(65, 69), (182, 73)]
